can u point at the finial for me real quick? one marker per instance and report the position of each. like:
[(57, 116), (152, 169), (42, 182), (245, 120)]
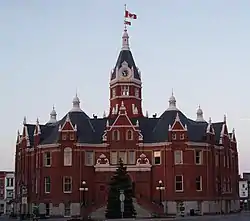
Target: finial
[(137, 123), (24, 120), (210, 120), (67, 118), (172, 91), (37, 121), (104, 114), (225, 118), (199, 106), (146, 113)]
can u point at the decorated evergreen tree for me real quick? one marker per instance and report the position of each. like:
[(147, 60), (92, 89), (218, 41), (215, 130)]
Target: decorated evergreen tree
[(120, 181)]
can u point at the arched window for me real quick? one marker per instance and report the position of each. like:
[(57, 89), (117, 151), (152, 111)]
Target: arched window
[(115, 135), (67, 156), (129, 135)]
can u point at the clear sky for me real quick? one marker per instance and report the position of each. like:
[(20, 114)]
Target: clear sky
[(48, 49)]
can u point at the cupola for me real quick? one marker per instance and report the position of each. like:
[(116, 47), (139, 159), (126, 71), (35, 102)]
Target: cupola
[(53, 115), (199, 115), (76, 105), (172, 103)]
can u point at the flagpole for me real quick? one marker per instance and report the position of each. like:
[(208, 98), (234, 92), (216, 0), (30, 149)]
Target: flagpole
[(125, 25)]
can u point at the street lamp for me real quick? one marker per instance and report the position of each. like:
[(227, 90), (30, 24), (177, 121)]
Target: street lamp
[(160, 188), (83, 189)]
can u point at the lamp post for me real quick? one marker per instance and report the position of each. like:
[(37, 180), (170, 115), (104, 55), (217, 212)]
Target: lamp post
[(160, 188), (83, 189)]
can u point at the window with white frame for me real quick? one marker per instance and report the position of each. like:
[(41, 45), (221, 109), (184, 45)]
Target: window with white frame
[(123, 156), (157, 157), (47, 184), (182, 136), (198, 157), (115, 135), (178, 158), (67, 158), (125, 90), (10, 182), (72, 136), (89, 158), (67, 184), (47, 159), (178, 183), (131, 157), (174, 136), (113, 92), (198, 183), (137, 93), (129, 135), (113, 157)]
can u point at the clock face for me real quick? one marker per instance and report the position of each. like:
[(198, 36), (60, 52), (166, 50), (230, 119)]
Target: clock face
[(125, 73)]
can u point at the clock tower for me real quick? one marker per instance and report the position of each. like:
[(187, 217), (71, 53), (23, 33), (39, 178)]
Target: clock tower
[(125, 83)]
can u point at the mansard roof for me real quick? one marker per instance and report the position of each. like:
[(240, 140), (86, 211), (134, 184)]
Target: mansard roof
[(91, 130)]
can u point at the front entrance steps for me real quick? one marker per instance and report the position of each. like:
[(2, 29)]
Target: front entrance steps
[(141, 212)]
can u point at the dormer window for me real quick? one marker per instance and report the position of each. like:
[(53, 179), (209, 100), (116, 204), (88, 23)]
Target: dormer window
[(125, 90), (115, 135), (174, 136), (182, 137), (129, 135)]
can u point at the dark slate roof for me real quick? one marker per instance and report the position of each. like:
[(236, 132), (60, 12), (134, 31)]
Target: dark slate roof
[(91, 130), (126, 55)]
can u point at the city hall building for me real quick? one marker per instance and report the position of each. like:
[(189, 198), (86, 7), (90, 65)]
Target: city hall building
[(172, 160)]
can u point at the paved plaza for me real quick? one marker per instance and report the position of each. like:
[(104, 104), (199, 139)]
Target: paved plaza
[(234, 217)]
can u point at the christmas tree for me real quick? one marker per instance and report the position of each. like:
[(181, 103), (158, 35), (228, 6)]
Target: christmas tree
[(120, 182)]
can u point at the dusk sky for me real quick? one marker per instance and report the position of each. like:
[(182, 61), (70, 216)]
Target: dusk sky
[(49, 49)]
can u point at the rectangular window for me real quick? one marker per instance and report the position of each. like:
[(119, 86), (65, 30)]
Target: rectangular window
[(178, 183), (47, 159), (125, 90), (47, 184), (198, 157), (131, 157), (123, 156), (198, 183), (157, 157), (178, 158), (113, 157), (67, 184), (89, 158)]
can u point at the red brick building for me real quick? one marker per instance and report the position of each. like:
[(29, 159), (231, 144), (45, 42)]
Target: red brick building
[(196, 161)]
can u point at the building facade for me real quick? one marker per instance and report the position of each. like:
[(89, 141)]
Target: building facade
[(195, 160), (7, 180)]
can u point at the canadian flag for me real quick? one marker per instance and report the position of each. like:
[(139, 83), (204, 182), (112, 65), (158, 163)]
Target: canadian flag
[(130, 15), (127, 22)]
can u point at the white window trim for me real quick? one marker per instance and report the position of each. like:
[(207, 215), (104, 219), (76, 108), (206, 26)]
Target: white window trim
[(200, 155), (175, 152), (45, 159), (113, 135), (157, 164), (127, 133), (174, 136), (182, 183), (67, 153), (86, 158), (182, 136), (45, 185), (200, 184), (134, 156), (116, 158), (125, 156), (64, 178), (72, 136)]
